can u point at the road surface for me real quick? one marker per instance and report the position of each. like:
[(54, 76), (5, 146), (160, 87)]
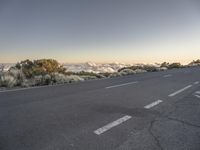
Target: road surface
[(149, 111)]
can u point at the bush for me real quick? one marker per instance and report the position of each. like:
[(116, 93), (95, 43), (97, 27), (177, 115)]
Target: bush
[(132, 68), (140, 71), (61, 78), (115, 74), (28, 83), (127, 72), (87, 77), (195, 63), (174, 65), (58, 78), (7, 80), (170, 66), (106, 74), (17, 74), (74, 78), (38, 80), (47, 79), (162, 69), (83, 73), (2, 67), (164, 64), (39, 67), (149, 68)]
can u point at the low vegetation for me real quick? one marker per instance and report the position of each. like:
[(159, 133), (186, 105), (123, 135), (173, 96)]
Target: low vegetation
[(38, 72), (29, 73), (195, 63)]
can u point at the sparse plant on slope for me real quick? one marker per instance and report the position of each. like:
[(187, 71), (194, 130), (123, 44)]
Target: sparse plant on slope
[(142, 68), (58, 78), (164, 64), (174, 65), (2, 67), (195, 62), (149, 68), (89, 74), (87, 77), (106, 74), (18, 75), (115, 74), (127, 72), (140, 71), (74, 78), (61, 78), (7, 80)]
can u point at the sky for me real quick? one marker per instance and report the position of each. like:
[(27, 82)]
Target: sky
[(73, 31)]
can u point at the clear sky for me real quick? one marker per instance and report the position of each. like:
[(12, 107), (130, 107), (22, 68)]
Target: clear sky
[(130, 31)]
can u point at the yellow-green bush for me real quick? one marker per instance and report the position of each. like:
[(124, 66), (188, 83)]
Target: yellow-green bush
[(39, 67)]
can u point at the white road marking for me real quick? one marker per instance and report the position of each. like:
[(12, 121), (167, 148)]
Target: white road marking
[(168, 75), (179, 91), (197, 96), (153, 104), (112, 124), (119, 85), (198, 92), (197, 82)]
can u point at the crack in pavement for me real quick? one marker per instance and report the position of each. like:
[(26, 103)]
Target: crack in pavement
[(183, 122), (151, 133), (167, 116)]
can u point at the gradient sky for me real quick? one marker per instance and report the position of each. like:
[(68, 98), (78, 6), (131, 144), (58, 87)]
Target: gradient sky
[(130, 31)]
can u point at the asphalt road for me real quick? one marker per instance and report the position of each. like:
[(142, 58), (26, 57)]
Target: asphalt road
[(149, 111)]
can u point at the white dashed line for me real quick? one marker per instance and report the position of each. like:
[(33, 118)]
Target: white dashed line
[(119, 85), (197, 96), (197, 82), (168, 75), (179, 91), (111, 125), (197, 92), (153, 104)]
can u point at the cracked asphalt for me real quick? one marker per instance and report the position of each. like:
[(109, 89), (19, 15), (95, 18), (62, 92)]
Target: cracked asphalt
[(65, 117)]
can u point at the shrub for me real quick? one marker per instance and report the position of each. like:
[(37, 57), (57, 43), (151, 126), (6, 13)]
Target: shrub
[(40, 67), (83, 73), (195, 63), (162, 69), (106, 74), (87, 77), (17, 74), (74, 78), (28, 83), (149, 68), (2, 67), (175, 65), (164, 64), (38, 80), (58, 78), (7, 80), (140, 71), (115, 74), (132, 68), (127, 72), (61, 78), (47, 79)]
